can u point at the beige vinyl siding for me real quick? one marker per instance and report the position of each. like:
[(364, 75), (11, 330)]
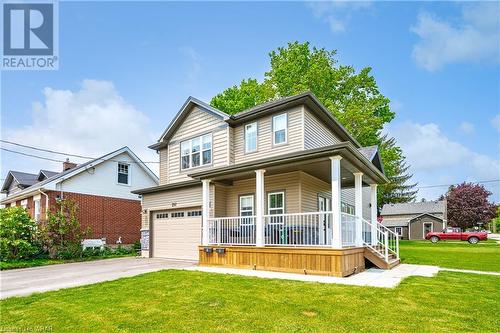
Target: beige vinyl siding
[(198, 122), (287, 182), (311, 187), (163, 166), (316, 134), (220, 201), (265, 147), (178, 198), (347, 196)]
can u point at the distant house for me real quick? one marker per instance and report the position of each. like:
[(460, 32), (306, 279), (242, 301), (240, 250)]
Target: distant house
[(414, 220), (101, 188)]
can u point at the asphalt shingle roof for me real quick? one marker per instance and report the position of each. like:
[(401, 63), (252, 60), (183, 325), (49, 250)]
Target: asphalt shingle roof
[(411, 208), (24, 178), (368, 152)]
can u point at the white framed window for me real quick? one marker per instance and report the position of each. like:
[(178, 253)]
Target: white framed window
[(162, 216), (347, 208), (177, 214), (194, 213), (399, 231), (196, 152), (37, 210), (123, 173), (275, 206), (251, 137), (280, 129), (246, 208)]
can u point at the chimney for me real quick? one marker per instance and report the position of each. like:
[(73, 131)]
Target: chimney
[(68, 165)]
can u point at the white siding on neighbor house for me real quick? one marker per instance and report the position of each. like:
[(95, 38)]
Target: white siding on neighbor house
[(198, 122), (265, 147), (103, 180), (316, 134), (13, 188)]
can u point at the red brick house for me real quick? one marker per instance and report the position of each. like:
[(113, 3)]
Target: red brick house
[(101, 188)]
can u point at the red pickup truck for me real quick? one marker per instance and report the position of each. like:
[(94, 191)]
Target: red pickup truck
[(472, 237)]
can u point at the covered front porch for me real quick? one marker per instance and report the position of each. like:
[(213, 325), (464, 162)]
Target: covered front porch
[(315, 216)]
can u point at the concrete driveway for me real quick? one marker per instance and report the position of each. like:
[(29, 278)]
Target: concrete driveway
[(22, 282)]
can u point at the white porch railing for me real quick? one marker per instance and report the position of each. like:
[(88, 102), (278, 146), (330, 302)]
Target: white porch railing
[(300, 229), (239, 230), (385, 243)]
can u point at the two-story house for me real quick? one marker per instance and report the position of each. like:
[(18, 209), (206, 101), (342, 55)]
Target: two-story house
[(282, 186), (101, 188)]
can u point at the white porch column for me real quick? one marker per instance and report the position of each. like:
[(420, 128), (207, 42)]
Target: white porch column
[(373, 212), (205, 193), (259, 207), (336, 217), (358, 206)]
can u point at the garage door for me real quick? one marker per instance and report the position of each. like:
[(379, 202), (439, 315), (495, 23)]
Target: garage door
[(177, 234)]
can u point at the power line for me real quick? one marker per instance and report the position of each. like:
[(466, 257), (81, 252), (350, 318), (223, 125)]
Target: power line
[(448, 185), (30, 155), (60, 153)]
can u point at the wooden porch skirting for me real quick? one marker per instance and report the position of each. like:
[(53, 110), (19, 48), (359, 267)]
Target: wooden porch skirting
[(303, 260)]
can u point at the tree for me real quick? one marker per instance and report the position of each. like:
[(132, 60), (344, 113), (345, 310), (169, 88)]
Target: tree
[(17, 234), (468, 205), (62, 233), (352, 97)]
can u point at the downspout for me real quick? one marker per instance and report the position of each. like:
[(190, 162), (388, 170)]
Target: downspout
[(46, 203)]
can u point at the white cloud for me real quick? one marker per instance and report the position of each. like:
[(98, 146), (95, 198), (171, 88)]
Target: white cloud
[(193, 66), (435, 159), (495, 122), (337, 13), (466, 127), (475, 36), (91, 121)]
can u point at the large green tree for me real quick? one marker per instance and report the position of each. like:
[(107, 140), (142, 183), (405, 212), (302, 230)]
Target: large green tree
[(352, 97)]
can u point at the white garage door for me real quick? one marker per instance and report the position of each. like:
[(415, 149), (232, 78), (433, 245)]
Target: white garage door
[(177, 234)]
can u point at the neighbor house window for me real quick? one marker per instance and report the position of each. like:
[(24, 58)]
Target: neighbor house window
[(196, 151), (250, 137), (399, 231), (246, 208), (280, 128), (37, 210), (123, 170)]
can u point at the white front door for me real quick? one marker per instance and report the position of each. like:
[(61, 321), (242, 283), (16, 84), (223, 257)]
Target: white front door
[(325, 236)]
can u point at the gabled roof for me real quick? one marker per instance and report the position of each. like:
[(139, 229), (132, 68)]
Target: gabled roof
[(426, 214), (411, 208), (81, 168), (181, 115), (306, 98), (373, 155), (44, 174), (23, 179)]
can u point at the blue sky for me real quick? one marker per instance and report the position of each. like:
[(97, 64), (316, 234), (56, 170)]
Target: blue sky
[(126, 68)]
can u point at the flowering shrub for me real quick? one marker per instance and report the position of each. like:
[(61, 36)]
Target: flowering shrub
[(17, 234)]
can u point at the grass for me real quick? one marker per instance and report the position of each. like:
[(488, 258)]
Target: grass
[(193, 301), (5, 265), (484, 256)]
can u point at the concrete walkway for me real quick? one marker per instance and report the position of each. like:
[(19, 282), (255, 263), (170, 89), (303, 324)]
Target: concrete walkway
[(372, 277), (26, 281)]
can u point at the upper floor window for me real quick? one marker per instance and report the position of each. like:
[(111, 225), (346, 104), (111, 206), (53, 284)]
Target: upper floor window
[(250, 137), (123, 173), (196, 151), (280, 129)]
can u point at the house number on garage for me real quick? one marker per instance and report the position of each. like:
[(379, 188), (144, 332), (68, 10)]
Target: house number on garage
[(174, 204)]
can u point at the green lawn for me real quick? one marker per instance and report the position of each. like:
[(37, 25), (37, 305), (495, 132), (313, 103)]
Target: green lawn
[(197, 302), (4, 265), (484, 256)]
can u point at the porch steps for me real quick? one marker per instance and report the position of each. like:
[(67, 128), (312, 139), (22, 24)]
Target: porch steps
[(379, 261)]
